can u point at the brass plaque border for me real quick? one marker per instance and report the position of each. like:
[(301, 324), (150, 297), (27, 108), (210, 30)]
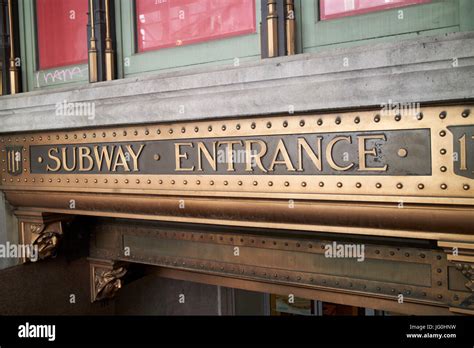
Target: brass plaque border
[(442, 187)]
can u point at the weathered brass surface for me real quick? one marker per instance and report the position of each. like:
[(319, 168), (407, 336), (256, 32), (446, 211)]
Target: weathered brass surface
[(272, 28), (416, 160), (364, 172), (419, 273), (290, 27)]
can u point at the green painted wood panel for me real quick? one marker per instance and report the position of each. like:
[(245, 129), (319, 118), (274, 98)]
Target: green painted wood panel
[(222, 51), (440, 16)]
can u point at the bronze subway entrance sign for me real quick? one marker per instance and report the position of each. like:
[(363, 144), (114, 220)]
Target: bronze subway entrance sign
[(339, 153), (278, 187), (337, 166)]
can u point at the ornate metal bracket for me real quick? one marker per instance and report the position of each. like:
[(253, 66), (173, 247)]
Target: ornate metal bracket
[(462, 256), (105, 278), (41, 231)]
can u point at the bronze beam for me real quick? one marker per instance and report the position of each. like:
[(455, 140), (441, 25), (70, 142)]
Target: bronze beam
[(290, 27), (272, 28), (109, 51), (14, 73)]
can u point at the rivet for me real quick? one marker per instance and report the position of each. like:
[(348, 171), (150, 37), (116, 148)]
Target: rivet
[(444, 186), (303, 184), (124, 133), (57, 137), (378, 185), (320, 122), (419, 116), (442, 151), (466, 113), (103, 135), (105, 181), (114, 134), (398, 117), (226, 183), (339, 184), (135, 132), (116, 181), (321, 184), (421, 186), (287, 183), (95, 181), (338, 120), (439, 270), (285, 124), (358, 185), (377, 251), (255, 183), (302, 123), (269, 125), (439, 283), (357, 119), (185, 182), (65, 137), (443, 169), (377, 118), (223, 127), (442, 133), (399, 186), (170, 131), (407, 254), (40, 159), (209, 128), (253, 125), (455, 297), (156, 157), (158, 131), (84, 135), (402, 152), (198, 182), (422, 256), (465, 187), (239, 183), (196, 129), (173, 182), (270, 183), (147, 132), (443, 115), (126, 181), (237, 126), (77, 180), (440, 296), (211, 183)]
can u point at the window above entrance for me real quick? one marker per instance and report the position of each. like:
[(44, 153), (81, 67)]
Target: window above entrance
[(169, 23), (343, 8), (61, 32)]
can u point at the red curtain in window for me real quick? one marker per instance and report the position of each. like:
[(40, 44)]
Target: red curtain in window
[(168, 23), (62, 32), (342, 8)]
